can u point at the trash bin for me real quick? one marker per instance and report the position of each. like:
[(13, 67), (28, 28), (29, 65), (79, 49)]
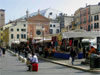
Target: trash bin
[(94, 62)]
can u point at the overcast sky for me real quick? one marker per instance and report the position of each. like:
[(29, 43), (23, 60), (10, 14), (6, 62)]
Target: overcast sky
[(17, 8)]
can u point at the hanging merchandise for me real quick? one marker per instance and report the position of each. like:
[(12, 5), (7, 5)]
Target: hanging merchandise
[(64, 44), (54, 38), (56, 43), (59, 43), (70, 42)]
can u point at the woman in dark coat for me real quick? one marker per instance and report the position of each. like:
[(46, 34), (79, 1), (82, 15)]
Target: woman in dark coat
[(3, 51), (73, 54)]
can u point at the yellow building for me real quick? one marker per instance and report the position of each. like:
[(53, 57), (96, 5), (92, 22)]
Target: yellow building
[(5, 34), (64, 30), (73, 26), (6, 37), (1, 36), (77, 19)]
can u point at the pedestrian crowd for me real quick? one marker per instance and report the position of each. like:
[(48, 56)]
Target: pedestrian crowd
[(31, 52), (39, 50)]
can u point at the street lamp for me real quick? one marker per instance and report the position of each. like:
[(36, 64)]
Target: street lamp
[(19, 38), (14, 43), (43, 34)]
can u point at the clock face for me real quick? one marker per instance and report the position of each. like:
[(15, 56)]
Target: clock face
[(38, 32)]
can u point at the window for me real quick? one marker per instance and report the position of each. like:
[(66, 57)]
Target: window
[(88, 27), (54, 26), (12, 36), (24, 25), (23, 29), (51, 31), (97, 25), (57, 31), (50, 25), (94, 25), (38, 32), (50, 13), (24, 36), (17, 29), (12, 30), (96, 17), (17, 36), (91, 26)]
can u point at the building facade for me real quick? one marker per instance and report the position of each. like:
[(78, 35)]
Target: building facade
[(38, 26), (95, 22), (6, 37), (18, 32), (77, 19), (5, 32), (54, 27), (87, 18), (65, 21)]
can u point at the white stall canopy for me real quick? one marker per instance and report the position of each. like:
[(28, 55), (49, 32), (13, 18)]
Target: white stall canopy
[(73, 34)]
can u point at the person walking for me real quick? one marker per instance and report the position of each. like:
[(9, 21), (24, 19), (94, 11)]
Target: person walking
[(3, 51), (91, 51), (53, 51), (27, 50), (40, 50), (46, 52), (73, 54)]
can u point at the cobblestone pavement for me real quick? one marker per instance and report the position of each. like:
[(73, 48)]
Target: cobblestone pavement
[(10, 65)]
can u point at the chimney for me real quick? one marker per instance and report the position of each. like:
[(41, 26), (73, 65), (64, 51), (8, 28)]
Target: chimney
[(38, 11), (86, 4), (27, 14)]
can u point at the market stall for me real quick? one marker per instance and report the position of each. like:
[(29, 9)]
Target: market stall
[(80, 35)]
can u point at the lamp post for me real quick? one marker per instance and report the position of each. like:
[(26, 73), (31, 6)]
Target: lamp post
[(19, 38), (14, 43), (43, 35)]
